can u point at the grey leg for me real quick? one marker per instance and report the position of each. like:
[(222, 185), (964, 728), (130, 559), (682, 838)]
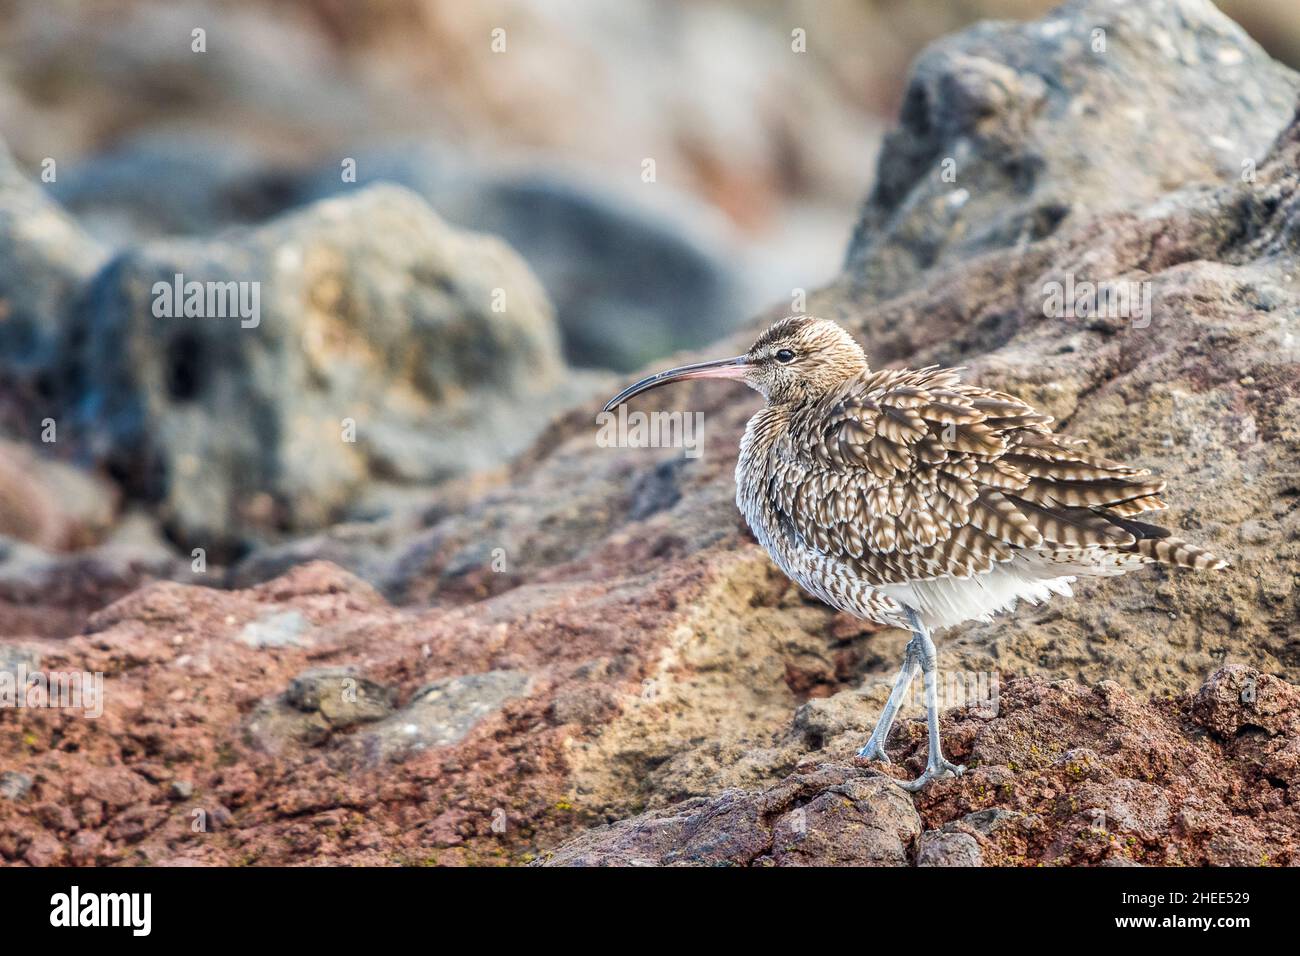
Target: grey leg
[(875, 748), (935, 766)]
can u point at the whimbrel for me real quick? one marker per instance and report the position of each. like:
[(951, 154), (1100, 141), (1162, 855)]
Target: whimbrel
[(914, 500)]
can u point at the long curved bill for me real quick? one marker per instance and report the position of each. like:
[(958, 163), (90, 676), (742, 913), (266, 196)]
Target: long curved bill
[(723, 368)]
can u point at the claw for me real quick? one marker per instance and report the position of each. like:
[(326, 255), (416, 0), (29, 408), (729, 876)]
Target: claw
[(933, 771), (874, 751)]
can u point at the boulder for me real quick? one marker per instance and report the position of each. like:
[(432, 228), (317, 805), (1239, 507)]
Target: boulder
[(316, 703), (441, 714), (1009, 131), (51, 504), (14, 786), (171, 183), (269, 379), (635, 273), (830, 816)]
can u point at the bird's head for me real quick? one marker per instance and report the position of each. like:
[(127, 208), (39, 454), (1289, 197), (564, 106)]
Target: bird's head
[(797, 360)]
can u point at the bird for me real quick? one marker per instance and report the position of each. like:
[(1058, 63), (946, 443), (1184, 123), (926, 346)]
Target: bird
[(912, 499)]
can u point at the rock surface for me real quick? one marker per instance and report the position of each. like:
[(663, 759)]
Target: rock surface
[(1202, 388), (465, 740), (830, 817), (1062, 775)]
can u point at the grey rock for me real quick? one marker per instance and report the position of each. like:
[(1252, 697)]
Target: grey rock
[(633, 275), (14, 785), (46, 260), (1014, 109), (828, 817), (440, 714), (275, 727), (181, 790), (363, 547), (993, 819), (632, 278), (14, 656), (377, 355), (218, 817), (869, 822), (280, 629), (340, 696), (948, 848), (316, 704), (170, 184)]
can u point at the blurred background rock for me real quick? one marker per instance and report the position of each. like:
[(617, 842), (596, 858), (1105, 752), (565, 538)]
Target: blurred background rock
[(761, 156)]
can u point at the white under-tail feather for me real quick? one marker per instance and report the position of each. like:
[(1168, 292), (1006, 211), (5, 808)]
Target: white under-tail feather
[(1033, 576)]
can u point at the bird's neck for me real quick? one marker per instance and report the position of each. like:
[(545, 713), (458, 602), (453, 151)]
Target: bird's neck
[(767, 426), (825, 385)]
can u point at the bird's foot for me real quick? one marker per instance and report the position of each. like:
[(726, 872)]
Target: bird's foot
[(874, 750), (935, 770)]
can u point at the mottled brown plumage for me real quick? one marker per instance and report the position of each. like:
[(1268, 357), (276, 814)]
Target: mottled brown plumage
[(913, 499)]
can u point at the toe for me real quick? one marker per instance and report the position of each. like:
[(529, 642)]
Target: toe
[(874, 751), (912, 786), (933, 772)]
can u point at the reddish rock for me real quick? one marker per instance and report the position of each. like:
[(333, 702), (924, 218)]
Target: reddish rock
[(1238, 698), (47, 503)]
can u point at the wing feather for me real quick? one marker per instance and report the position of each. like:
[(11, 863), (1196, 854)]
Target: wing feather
[(911, 475)]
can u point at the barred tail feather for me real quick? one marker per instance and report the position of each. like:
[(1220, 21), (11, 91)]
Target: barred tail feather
[(1155, 544), (1179, 554)]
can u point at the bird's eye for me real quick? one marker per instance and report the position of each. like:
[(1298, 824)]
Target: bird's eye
[(785, 356)]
